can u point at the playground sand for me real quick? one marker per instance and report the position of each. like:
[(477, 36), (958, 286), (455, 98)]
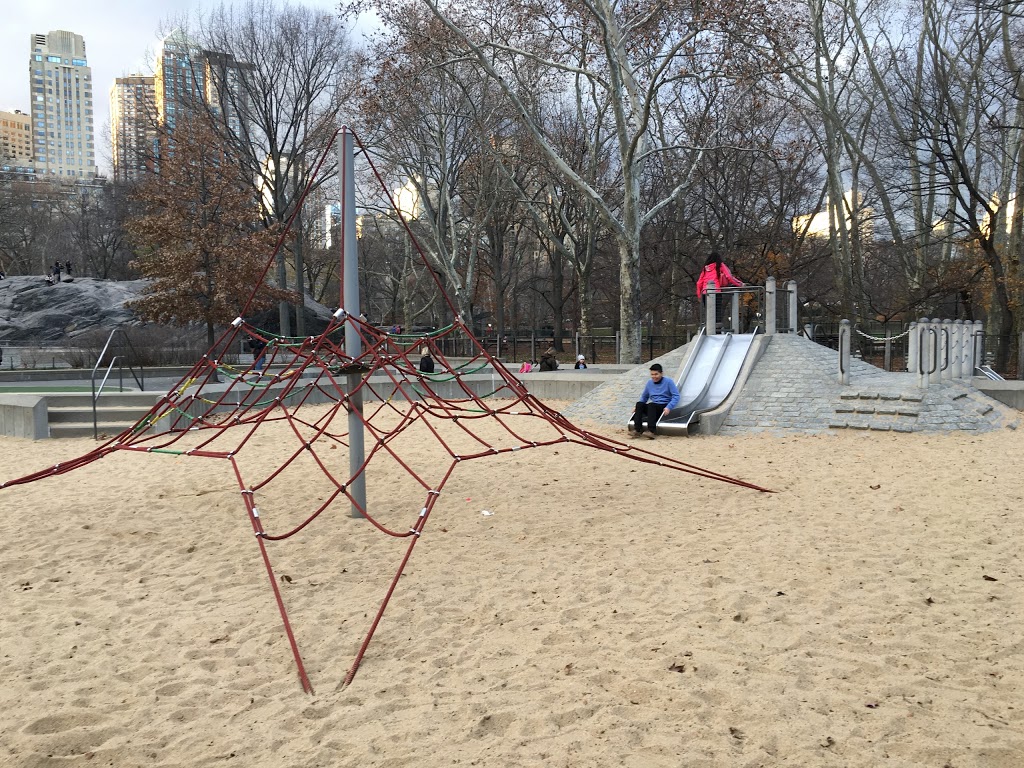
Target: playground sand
[(607, 613)]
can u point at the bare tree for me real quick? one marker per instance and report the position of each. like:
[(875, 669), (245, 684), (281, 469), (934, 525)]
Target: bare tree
[(623, 57), (276, 82)]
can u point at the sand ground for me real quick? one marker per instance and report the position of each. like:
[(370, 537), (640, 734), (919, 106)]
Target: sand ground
[(607, 613)]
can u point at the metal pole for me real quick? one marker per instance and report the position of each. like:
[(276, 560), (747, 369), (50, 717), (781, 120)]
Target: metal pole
[(533, 345), (769, 306), (353, 344), (794, 324), (887, 362)]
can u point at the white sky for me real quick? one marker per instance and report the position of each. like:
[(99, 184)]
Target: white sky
[(119, 35)]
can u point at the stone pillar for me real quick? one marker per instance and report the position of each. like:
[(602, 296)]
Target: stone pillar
[(913, 344), (844, 352), (956, 350), (769, 306), (946, 350), (711, 310), (794, 323), (923, 345)]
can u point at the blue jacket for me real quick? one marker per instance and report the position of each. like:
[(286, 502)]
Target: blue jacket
[(664, 392)]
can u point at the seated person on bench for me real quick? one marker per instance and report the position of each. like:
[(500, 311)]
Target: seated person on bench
[(660, 396)]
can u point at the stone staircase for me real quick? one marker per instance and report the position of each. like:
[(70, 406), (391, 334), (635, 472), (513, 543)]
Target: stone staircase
[(879, 411), (70, 414)]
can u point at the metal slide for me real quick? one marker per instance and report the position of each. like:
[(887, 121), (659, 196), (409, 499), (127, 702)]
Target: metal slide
[(706, 380)]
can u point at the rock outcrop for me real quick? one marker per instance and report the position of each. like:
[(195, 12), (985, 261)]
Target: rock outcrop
[(32, 311)]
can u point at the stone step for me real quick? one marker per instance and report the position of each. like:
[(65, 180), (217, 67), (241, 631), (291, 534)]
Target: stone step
[(886, 410), (873, 426)]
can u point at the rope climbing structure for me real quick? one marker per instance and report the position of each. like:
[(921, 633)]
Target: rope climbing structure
[(308, 386)]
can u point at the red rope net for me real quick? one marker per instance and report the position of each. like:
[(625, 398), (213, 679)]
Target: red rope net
[(216, 412)]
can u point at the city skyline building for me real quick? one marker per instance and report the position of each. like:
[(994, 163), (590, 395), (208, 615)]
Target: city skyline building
[(133, 126), (16, 144), (187, 77), (60, 83)]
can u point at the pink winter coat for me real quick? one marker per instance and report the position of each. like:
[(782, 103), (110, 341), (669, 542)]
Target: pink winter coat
[(722, 278)]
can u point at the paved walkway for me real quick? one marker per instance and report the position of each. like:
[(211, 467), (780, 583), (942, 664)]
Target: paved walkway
[(793, 388)]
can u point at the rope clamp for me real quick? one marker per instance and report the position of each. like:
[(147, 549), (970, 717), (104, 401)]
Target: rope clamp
[(247, 490), (414, 532), (255, 512), (237, 322), (423, 512), (436, 493)]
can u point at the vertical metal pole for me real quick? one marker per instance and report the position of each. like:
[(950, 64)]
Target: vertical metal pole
[(794, 324), (353, 344), (711, 312), (735, 312), (887, 361), (769, 306), (533, 345)]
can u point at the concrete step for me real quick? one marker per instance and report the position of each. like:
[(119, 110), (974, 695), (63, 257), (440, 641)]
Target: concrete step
[(106, 414), (116, 399), (85, 430)]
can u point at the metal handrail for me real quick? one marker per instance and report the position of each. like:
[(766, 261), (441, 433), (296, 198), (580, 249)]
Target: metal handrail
[(140, 379)]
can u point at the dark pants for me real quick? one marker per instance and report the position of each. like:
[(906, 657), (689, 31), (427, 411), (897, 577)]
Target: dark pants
[(650, 411)]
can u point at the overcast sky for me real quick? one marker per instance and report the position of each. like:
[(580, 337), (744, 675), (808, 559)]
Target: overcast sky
[(119, 35)]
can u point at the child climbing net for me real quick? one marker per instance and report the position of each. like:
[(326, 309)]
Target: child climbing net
[(216, 411)]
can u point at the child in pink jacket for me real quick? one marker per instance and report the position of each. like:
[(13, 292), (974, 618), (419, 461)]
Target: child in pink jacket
[(715, 272)]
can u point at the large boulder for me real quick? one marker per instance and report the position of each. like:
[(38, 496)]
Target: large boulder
[(31, 310)]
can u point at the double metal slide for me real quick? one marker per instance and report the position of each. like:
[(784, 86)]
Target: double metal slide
[(707, 378)]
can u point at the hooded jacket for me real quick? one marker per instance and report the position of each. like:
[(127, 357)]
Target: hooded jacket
[(721, 277)]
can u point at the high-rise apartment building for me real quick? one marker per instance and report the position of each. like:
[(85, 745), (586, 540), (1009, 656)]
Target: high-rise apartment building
[(60, 79), (133, 126), (16, 143), (187, 77)]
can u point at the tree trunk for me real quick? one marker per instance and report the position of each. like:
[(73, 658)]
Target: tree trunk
[(629, 297)]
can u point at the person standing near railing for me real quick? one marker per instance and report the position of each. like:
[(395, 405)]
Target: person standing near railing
[(715, 273)]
